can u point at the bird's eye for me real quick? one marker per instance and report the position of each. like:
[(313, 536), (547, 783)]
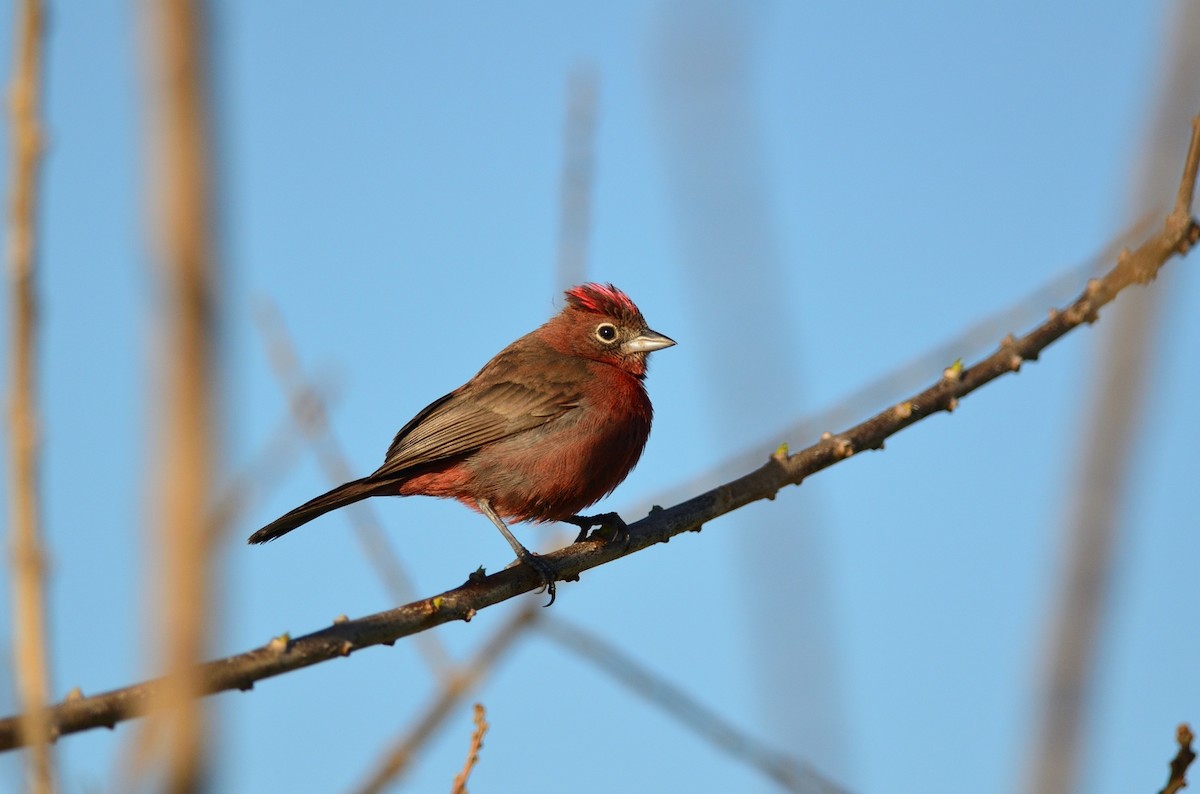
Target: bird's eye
[(606, 332)]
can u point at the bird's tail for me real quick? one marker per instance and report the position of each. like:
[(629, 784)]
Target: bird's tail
[(343, 495)]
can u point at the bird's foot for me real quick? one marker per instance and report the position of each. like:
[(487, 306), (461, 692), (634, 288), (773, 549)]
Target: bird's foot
[(544, 569), (611, 524)]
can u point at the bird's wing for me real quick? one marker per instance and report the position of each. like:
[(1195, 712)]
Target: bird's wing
[(469, 418)]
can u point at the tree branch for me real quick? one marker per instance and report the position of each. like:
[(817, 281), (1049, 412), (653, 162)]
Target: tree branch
[(481, 726), (1104, 462), (1182, 760), (575, 192), (283, 654), (181, 482), (28, 556), (789, 773)]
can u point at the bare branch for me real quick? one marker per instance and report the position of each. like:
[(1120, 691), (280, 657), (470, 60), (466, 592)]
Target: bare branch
[(1105, 458), (182, 482), (788, 772), (1183, 759), (28, 560), (575, 193), (481, 726), (284, 654)]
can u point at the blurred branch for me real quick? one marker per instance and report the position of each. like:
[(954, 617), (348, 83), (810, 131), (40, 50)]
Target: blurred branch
[(455, 687), (232, 500), (284, 654), (574, 223), (789, 773), (1183, 759), (1105, 457), (481, 726), (262, 471), (182, 482), (579, 135), (28, 555), (310, 415)]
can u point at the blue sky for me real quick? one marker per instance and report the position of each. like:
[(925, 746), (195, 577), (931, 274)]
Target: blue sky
[(867, 181)]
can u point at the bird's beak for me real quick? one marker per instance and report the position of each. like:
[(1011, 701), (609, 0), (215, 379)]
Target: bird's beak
[(647, 341)]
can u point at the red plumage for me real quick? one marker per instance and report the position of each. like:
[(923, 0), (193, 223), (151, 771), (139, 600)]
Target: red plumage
[(553, 423)]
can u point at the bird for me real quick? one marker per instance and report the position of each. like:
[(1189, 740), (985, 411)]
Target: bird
[(549, 426)]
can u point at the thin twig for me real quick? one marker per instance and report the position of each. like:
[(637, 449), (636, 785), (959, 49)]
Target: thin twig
[(28, 560), (788, 772), (284, 654), (460, 683), (481, 727), (1183, 759), (182, 481)]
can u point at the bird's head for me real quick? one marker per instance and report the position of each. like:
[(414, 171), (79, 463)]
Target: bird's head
[(601, 323)]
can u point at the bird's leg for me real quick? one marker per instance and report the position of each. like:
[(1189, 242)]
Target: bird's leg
[(608, 521), (523, 554)]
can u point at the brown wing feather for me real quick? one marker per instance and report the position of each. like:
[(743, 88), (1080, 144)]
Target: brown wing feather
[(490, 407)]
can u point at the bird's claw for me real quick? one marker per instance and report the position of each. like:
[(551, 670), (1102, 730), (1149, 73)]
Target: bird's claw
[(544, 570), (610, 522)]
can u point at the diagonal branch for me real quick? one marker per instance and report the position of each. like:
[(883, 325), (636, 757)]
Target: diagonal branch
[(790, 773), (283, 654), (310, 414)]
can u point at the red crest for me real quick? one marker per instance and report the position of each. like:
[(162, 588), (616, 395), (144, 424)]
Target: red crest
[(601, 299)]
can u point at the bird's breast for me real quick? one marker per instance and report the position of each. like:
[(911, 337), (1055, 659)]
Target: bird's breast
[(562, 467)]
